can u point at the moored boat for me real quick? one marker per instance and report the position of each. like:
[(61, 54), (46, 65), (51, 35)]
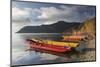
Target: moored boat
[(58, 43), (74, 38), (50, 47)]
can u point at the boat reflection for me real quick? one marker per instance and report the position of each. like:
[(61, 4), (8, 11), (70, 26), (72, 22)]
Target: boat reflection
[(65, 54)]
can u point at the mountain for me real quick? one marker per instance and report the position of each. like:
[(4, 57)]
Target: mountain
[(58, 27), (87, 27)]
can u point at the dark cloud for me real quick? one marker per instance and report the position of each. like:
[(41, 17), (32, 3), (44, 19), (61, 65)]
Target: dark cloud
[(50, 14)]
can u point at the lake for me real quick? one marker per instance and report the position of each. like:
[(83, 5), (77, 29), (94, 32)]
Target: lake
[(22, 56)]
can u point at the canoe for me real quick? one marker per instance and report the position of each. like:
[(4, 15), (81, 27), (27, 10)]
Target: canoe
[(73, 38), (50, 47), (58, 43)]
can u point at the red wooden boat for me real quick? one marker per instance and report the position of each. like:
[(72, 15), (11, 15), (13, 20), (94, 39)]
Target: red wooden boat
[(50, 47)]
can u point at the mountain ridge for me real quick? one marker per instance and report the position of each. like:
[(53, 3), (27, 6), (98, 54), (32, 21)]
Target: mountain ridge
[(88, 26), (58, 27)]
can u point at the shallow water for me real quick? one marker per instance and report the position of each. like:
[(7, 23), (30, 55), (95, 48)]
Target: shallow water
[(22, 56)]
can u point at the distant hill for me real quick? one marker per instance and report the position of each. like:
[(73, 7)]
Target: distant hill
[(58, 27), (88, 26)]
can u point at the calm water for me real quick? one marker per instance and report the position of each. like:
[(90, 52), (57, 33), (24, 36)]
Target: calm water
[(22, 56)]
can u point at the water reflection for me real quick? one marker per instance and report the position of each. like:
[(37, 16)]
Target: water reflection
[(21, 55)]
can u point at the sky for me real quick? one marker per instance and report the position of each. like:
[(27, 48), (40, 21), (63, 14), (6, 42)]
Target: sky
[(36, 13)]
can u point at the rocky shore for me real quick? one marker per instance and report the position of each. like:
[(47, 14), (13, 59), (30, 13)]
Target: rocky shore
[(90, 54)]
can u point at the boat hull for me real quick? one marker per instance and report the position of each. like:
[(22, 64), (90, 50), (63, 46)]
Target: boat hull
[(49, 47)]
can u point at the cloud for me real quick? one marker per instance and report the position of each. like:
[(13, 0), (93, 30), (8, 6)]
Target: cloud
[(19, 12), (48, 13), (20, 15), (51, 14), (66, 13)]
